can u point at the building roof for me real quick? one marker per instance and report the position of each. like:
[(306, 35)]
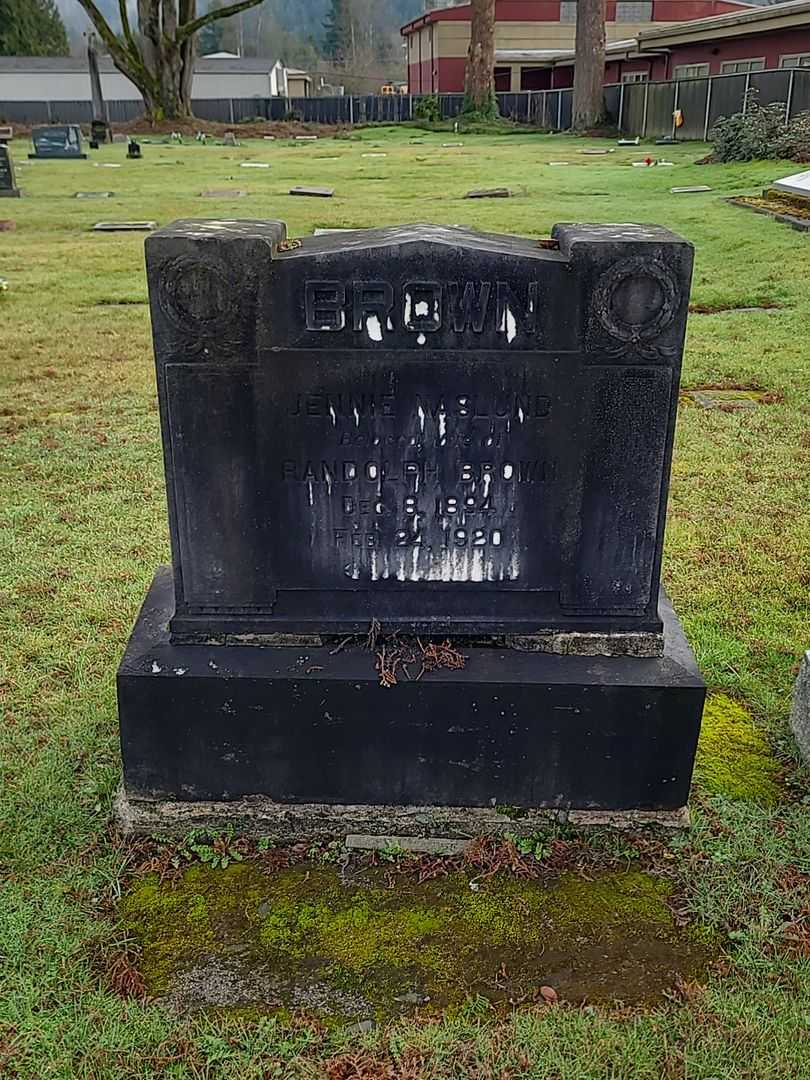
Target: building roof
[(55, 65), (752, 20), (462, 12)]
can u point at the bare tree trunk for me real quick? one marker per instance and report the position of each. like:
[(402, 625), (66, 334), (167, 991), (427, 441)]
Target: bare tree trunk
[(589, 69), (160, 59), (479, 78)]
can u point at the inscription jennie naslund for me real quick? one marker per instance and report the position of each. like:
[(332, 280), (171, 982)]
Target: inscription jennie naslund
[(409, 506)]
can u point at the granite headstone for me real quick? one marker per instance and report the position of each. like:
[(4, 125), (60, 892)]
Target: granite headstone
[(442, 433), (8, 186), (57, 141)]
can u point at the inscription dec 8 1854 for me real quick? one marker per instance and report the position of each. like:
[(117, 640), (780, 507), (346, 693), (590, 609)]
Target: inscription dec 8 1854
[(438, 428)]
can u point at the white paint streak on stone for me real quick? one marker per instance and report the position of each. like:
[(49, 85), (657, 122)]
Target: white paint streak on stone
[(333, 414), (421, 339), (521, 414), (373, 328), (508, 471), (420, 412), (422, 308), (356, 417), (408, 308), (311, 494), (156, 668)]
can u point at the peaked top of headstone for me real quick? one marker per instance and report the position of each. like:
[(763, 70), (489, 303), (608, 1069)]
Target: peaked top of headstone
[(455, 236)]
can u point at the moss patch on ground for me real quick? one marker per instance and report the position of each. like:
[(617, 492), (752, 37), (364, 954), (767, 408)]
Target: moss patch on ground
[(378, 945), (734, 758)]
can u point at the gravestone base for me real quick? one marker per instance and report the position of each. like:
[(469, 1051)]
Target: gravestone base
[(57, 157), (14, 193), (308, 738)]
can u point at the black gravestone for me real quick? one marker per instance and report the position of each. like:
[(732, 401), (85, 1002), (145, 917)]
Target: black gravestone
[(8, 188), (445, 432), (57, 141)]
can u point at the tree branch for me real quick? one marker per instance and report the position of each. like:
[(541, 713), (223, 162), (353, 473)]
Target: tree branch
[(127, 29), (211, 16), (103, 28)]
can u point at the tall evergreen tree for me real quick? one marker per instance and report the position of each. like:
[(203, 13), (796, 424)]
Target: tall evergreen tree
[(337, 31), (32, 28)]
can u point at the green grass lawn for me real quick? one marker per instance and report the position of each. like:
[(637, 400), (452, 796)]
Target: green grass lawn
[(83, 525)]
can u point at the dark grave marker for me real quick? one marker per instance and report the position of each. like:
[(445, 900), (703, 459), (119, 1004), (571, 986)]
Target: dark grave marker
[(6, 133), (425, 431), (316, 192), (57, 141), (134, 150), (8, 186)]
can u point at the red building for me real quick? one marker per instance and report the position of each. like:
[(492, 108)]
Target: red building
[(531, 35)]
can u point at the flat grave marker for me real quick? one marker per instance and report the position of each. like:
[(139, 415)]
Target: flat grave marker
[(489, 193), (315, 192), (124, 226)]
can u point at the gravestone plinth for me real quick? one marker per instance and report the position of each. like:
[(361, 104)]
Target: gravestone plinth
[(434, 434), (8, 186), (57, 141)]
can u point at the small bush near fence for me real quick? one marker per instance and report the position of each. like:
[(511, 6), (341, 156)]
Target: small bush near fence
[(428, 108), (760, 132)]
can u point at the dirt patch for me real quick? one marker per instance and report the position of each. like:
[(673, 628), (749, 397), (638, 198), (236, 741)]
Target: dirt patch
[(343, 943), (780, 207)]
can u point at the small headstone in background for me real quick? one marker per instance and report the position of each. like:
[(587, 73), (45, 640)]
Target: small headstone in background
[(448, 144), (223, 193), (305, 138), (375, 155), (800, 712), (93, 195), (688, 190), (595, 152), (489, 193), (269, 138), (57, 141), (797, 184), (6, 133), (124, 226), (119, 137), (630, 142), (229, 139), (134, 150), (8, 185), (254, 164), (316, 192)]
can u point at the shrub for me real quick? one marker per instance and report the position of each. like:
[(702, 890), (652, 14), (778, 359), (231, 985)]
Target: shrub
[(760, 132), (428, 108)]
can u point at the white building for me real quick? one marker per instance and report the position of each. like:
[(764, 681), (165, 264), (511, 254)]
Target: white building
[(67, 78)]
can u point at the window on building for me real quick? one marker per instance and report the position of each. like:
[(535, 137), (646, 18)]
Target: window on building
[(634, 11), (797, 60), (741, 67), (568, 10), (634, 76), (691, 71)]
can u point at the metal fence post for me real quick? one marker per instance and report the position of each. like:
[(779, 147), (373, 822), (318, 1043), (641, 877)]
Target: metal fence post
[(50, 114), (710, 84), (621, 108), (559, 110), (646, 100), (230, 107), (789, 102), (745, 92)]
